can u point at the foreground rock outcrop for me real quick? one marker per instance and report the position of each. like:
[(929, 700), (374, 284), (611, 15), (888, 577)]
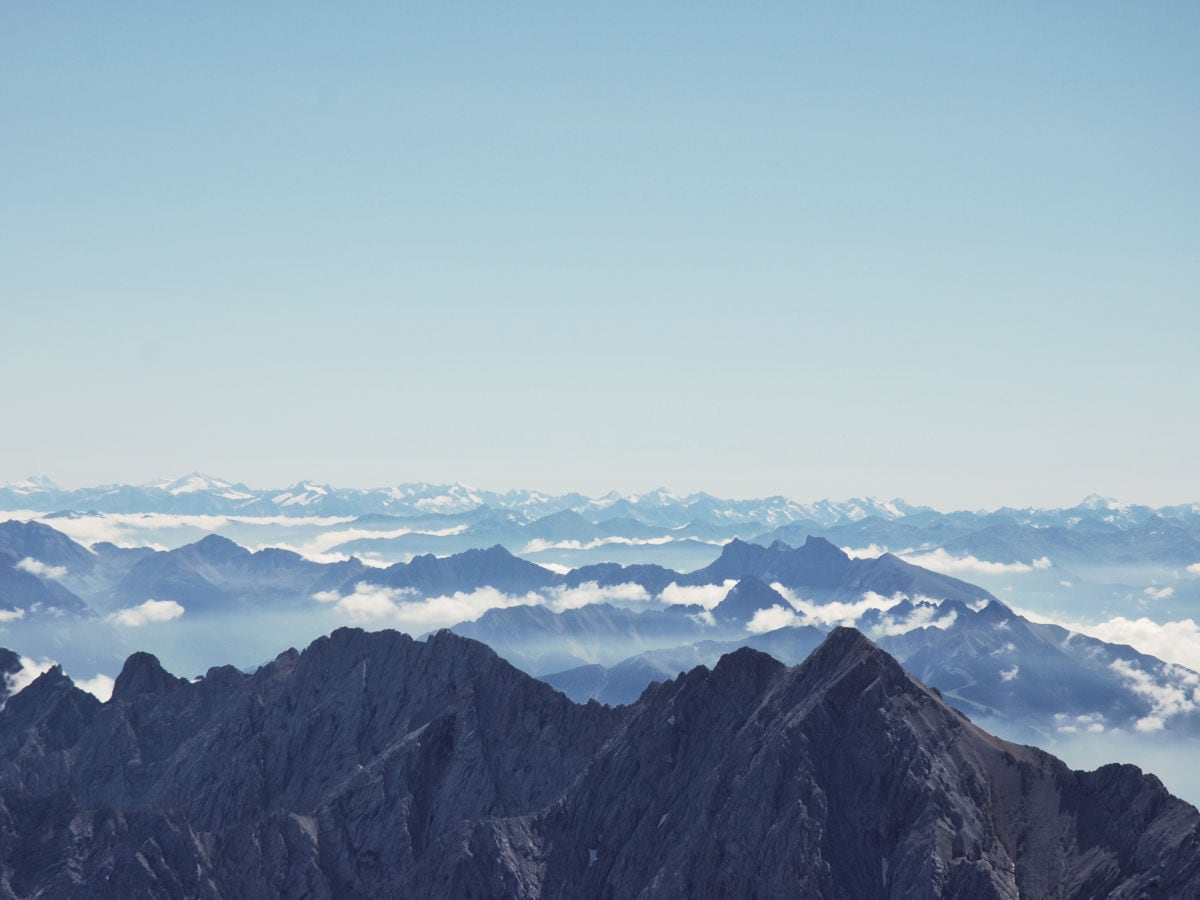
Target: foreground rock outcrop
[(373, 765)]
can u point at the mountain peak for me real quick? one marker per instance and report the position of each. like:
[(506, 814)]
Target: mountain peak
[(144, 674), (746, 598), (846, 650), (747, 666), (214, 547)]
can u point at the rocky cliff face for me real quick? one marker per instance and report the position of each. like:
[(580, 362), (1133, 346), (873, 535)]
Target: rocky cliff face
[(376, 765)]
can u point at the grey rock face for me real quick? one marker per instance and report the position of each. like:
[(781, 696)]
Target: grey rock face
[(373, 765)]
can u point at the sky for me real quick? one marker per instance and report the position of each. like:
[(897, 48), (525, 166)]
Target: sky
[(944, 252)]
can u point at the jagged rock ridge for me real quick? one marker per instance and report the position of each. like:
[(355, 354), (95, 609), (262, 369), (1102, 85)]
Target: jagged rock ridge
[(376, 765)]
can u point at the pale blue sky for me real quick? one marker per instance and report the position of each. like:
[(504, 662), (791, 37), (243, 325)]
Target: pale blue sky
[(926, 250)]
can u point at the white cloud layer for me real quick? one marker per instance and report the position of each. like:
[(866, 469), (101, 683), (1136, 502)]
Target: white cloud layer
[(826, 615), (1092, 723), (590, 592), (405, 609), (540, 545), (40, 569), (770, 619), (922, 616), (871, 551), (940, 560), (152, 611), (1175, 642), (1176, 690), (11, 615), (829, 614), (28, 673), (136, 529), (100, 687), (706, 595), (948, 564)]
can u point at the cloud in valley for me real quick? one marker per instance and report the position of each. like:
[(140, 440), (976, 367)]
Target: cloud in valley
[(706, 595), (100, 687), (40, 569), (539, 545), (28, 673), (404, 608), (924, 615), (136, 529), (948, 564), (829, 614), (871, 551), (150, 612), (590, 592), (772, 618), (1173, 691), (940, 560), (1174, 642)]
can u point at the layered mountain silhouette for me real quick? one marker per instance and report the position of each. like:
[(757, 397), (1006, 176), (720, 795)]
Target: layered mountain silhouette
[(989, 662), (373, 765), (450, 518), (985, 659), (216, 573)]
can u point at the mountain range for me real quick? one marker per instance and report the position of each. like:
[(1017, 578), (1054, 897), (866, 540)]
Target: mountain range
[(1097, 559), (203, 494), (1038, 680), (374, 765)]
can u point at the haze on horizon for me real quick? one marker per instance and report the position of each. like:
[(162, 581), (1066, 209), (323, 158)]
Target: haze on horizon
[(943, 254)]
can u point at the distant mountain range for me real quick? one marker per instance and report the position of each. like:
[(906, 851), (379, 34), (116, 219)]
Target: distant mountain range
[(216, 574), (1097, 555), (198, 494), (1041, 681), (202, 494), (371, 765), (66, 602)]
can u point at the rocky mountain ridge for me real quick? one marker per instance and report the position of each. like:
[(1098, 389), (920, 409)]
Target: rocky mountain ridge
[(375, 765)]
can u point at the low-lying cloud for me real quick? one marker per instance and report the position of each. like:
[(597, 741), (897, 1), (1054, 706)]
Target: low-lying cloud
[(839, 613), (948, 564), (590, 592), (941, 560), (1174, 642), (773, 618), (406, 609), (133, 529), (100, 687), (41, 569), (26, 675), (150, 612), (924, 615), (540, 545), (706, 595), (370, 604), (1175, 690)]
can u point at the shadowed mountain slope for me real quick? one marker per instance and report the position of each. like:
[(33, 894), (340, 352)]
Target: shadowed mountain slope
[(375, 765)]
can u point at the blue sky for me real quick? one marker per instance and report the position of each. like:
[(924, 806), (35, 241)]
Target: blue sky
[(943, 253)]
